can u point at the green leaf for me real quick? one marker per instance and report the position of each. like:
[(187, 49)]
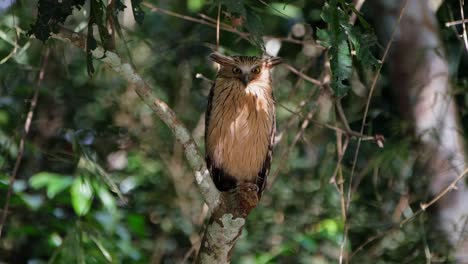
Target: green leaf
[(89, 166), (81, 195), (324, 37), (107, 199), (341, 65), (362, 44), (54, 183), (340, 54), (340, 37), (33, 201)]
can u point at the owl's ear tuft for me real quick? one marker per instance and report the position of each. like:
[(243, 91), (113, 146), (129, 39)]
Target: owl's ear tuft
[(221, 59), (271, 62)]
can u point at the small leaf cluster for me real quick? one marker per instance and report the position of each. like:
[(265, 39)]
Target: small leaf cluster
[(53, 13), (50, 14), (253, 23), (345, 41)]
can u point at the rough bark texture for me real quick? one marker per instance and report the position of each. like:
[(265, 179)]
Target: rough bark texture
[(226, 223), (229, 209), (167, 115), (420, 82)]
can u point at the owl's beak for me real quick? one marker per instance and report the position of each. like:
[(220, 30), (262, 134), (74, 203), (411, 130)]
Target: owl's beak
[(245, 79)]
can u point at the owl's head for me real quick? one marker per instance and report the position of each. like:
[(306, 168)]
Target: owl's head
[(247, 69)]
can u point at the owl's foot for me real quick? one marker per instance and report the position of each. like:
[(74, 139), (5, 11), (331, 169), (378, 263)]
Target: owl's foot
[(241, 199), (247, 187), (245, 195)]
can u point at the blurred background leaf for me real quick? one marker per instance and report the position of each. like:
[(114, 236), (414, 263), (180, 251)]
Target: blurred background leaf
[(103, 181)]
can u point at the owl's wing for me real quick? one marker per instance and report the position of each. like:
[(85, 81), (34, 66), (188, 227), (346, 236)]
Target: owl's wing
[(222, 180), (263, 174), (209, 107)]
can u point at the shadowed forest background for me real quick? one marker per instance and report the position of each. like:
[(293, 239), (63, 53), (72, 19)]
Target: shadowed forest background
[(101, 179)]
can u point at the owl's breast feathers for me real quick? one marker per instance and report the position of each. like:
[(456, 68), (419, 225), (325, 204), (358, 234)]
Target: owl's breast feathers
[(240, 128)]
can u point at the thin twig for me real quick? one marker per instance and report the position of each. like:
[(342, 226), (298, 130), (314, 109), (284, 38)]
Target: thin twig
[(15, 45), (465, 38), (226, 27), (288, 109), (276, 10), (424, 206), (452, 186), (167, 115), (302, 75), (368, 241), (217, 26), (285, 154), (357, 5), (342, 115), (369, 97), (192, 251), (209, 19), (27, 125), (203, 77), (341, 150), (299, 80), (456, 22), (350, 133)]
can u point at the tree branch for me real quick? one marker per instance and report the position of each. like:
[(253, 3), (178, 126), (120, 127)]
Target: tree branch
[(208, 21), (167, 115), (230, 209), (27, 126)]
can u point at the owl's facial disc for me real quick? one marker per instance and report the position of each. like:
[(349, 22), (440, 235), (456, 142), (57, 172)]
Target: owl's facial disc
[(247, 73)]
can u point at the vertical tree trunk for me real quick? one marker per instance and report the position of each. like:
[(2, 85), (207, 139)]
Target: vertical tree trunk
[(420, 82)]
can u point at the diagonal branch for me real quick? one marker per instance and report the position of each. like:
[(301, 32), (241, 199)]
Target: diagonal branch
[(167, 115), (27, 126), (208, 21), (464, 34)]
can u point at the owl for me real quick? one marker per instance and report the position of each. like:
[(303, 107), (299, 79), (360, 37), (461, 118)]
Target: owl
[(240, 121)]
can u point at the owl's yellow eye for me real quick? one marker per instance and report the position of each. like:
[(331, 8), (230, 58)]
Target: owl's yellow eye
[(236, 70), (256, 70)]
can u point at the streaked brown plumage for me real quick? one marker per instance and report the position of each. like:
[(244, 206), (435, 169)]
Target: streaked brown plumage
[(240, 121)]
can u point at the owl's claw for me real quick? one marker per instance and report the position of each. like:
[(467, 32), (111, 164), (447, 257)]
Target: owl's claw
[(245, 195), (247, 187)]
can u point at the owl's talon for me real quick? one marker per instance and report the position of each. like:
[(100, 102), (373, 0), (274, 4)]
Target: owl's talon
[(247, 186)]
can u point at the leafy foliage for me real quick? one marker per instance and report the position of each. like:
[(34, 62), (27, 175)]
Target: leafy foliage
[(51, 14), (341, 38), (103, 181), (53, 182), (253, 24)]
